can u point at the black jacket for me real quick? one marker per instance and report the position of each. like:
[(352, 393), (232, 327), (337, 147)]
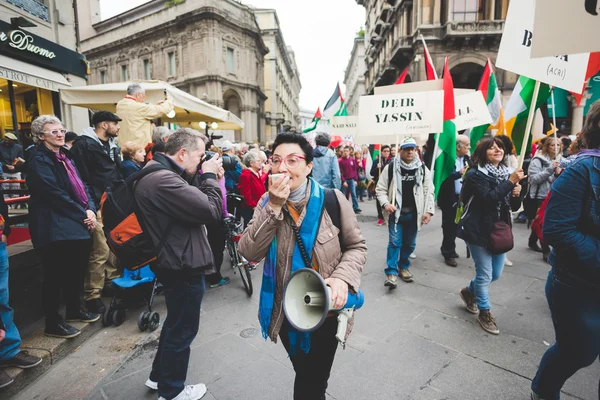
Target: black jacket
[(492, 201), (95, 165), (375, 167), (54, 214), (447, 196), (4, 212), (8, 154)]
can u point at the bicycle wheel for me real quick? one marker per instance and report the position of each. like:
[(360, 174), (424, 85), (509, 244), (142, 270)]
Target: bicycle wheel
[(245, 275), (233, 254)]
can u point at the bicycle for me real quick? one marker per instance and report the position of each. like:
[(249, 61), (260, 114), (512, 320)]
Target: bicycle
[(233, 234)]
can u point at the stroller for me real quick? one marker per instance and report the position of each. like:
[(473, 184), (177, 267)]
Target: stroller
[(133, 281)]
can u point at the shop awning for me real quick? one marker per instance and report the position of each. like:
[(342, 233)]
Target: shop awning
[(189, 109), (19, 71)]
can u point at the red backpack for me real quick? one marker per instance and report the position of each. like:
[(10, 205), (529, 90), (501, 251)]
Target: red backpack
[(538, 222)]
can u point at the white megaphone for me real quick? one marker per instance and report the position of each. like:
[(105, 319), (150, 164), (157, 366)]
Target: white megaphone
[(307, 302)]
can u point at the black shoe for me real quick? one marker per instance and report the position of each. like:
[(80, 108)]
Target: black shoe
[(95, 306), (5, 379), (357, 211), (534, 246), (451, 262), (22, 360), (61, 330), (83, 316)]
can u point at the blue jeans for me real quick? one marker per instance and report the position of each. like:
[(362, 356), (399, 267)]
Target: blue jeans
[(352, 188), (576, 317), (9, 347), (488, 268), (183, 295), (403, 240)]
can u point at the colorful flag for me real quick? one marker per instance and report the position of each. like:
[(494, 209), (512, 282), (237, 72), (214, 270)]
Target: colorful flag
[(445, 151), (592, 69), (517, 109), (402, 76), (489, 88), (315, 121), (429, 67), (335, 98), (341, 112), (376, 151)]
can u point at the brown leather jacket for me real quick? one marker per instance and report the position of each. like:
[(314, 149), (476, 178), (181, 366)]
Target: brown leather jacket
[(346, 266)]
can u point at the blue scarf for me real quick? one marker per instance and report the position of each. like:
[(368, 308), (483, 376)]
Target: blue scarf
[(308, 233)]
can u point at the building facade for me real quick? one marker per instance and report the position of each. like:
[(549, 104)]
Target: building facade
[(38, 56), (282, 79), (354, 78), (306, 117), (212, 49)]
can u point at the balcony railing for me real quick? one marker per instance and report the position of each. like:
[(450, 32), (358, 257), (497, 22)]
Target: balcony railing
[(474, 27), (33, 7)]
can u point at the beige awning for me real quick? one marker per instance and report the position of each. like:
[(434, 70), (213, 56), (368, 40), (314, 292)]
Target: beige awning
[(19, 71), (189, 109)]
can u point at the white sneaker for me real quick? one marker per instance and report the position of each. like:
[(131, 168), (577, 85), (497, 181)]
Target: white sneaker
[(190, 392), (150, 384), (507, 262), (413, 256)]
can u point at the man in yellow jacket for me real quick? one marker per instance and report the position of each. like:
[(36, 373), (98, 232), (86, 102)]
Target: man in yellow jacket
[(136, 115)]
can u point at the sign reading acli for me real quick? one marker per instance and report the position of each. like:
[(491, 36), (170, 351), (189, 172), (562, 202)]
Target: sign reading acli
[(471, 111), (566, 71), (403, 114)]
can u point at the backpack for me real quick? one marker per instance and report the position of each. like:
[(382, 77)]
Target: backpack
[(124, 227), (538, 221)]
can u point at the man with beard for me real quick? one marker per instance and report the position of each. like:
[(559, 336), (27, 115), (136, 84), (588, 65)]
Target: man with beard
[(98, 159)]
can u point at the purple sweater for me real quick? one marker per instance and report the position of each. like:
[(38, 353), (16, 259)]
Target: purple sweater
[(348, 168)]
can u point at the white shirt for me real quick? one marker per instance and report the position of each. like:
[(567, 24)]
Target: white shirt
[(460, 164)]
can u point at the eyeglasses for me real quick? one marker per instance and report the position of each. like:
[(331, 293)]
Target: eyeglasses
[(56, 132), (292, 161)]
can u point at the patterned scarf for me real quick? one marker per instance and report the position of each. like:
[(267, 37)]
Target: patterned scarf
[(308, 233), (501, 173), (399, 165), (76, 183)]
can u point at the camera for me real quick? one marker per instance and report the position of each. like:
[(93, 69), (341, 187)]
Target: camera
[(228, 162)]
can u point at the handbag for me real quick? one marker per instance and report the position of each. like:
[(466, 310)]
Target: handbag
[(501, 238)]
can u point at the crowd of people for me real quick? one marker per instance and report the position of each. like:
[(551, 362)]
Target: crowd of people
[(284, 187)]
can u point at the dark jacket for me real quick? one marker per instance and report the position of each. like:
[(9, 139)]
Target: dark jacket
[(492, 201), (129, 167), (447, 196), (4, 212), (165, 197), (95, 165), (572, 223), (375, 168), (54, 214), (8, 154)]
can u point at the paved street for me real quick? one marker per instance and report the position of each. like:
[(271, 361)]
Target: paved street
[(416, 342)]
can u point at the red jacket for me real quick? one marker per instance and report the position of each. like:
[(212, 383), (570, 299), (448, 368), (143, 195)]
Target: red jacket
[(251, 187)]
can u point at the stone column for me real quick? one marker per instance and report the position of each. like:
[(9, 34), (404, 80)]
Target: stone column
[(492, 4)]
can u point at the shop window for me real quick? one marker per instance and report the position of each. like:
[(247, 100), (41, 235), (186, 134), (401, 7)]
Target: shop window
[(171, 65), (103, 78), (147, 74), (465, 10), (230, 61), (124, 73)]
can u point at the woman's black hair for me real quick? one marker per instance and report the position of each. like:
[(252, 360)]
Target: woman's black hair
[(590, 133), (480, 153), (295, 138), (385, 146)]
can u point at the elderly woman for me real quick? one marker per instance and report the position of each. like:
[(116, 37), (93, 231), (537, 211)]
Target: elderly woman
[(572, 227), (489, 192), (61, 215), (296, 203), (133, 158), (543, 171), (252, 183)]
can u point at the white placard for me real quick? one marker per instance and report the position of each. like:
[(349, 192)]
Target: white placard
[(574, 27), (471, 111), (381, 118), (344, 126), (412, 87), (565, 72)]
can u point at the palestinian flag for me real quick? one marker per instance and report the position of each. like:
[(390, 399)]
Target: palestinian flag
[(335, 98), (402, 76), (491, 94), (592, 69), (517, 109), (376, 151), (445, 152), (315, 121), (342, 112), (429, 67)]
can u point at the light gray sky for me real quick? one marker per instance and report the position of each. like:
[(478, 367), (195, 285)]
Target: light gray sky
[(321, 32)]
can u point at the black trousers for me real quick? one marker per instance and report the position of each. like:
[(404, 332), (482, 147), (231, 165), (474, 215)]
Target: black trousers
[(449, 229), (65, 264), (379, 209), (183, 295), (313, 369), (216, 239)]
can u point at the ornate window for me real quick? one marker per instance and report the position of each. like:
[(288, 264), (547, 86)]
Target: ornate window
[(171, 67), (124, 73), (465, 10), (230, 60), (147, 71)]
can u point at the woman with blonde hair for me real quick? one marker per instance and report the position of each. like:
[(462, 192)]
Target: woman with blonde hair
[(133, 158)]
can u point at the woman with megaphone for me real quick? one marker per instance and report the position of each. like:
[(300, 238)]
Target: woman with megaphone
[(298, 224)]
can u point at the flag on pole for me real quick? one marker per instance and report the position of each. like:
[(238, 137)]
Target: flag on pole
[(429, 67), (445, 152), (335, 98), (517, 109), (402, 76), (315, 121), (376, 151), (592, 69), (489, 88), (341, 112)]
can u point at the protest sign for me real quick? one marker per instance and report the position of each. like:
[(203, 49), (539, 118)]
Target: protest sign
[(471, 111), (423, 86), (344, 126)]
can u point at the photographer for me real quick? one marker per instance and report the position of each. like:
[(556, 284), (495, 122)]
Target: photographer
[(252, 183), (232, 167)]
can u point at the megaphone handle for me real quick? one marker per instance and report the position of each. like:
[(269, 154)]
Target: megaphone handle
[(343, 317)]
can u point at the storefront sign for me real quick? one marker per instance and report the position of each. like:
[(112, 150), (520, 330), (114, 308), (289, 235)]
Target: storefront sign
[(31, 80), (563, 71), (471, 111), (22, 45)]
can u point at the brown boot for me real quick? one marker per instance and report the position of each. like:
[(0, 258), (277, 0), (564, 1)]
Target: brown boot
[(469, 299), (487, 322)]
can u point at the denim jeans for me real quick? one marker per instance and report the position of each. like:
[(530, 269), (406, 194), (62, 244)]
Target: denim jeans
[(576, 318), (9, 347), (403, 240), (488, 268), (183, 295), (352, 188)]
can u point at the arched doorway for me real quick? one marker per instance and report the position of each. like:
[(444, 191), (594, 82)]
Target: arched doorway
[(233, 103), (467, 75)]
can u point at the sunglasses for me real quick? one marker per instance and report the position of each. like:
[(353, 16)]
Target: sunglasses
[(56, 132)]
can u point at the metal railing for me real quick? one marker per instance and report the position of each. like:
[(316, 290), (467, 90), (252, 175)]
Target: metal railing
[(33, 7)]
